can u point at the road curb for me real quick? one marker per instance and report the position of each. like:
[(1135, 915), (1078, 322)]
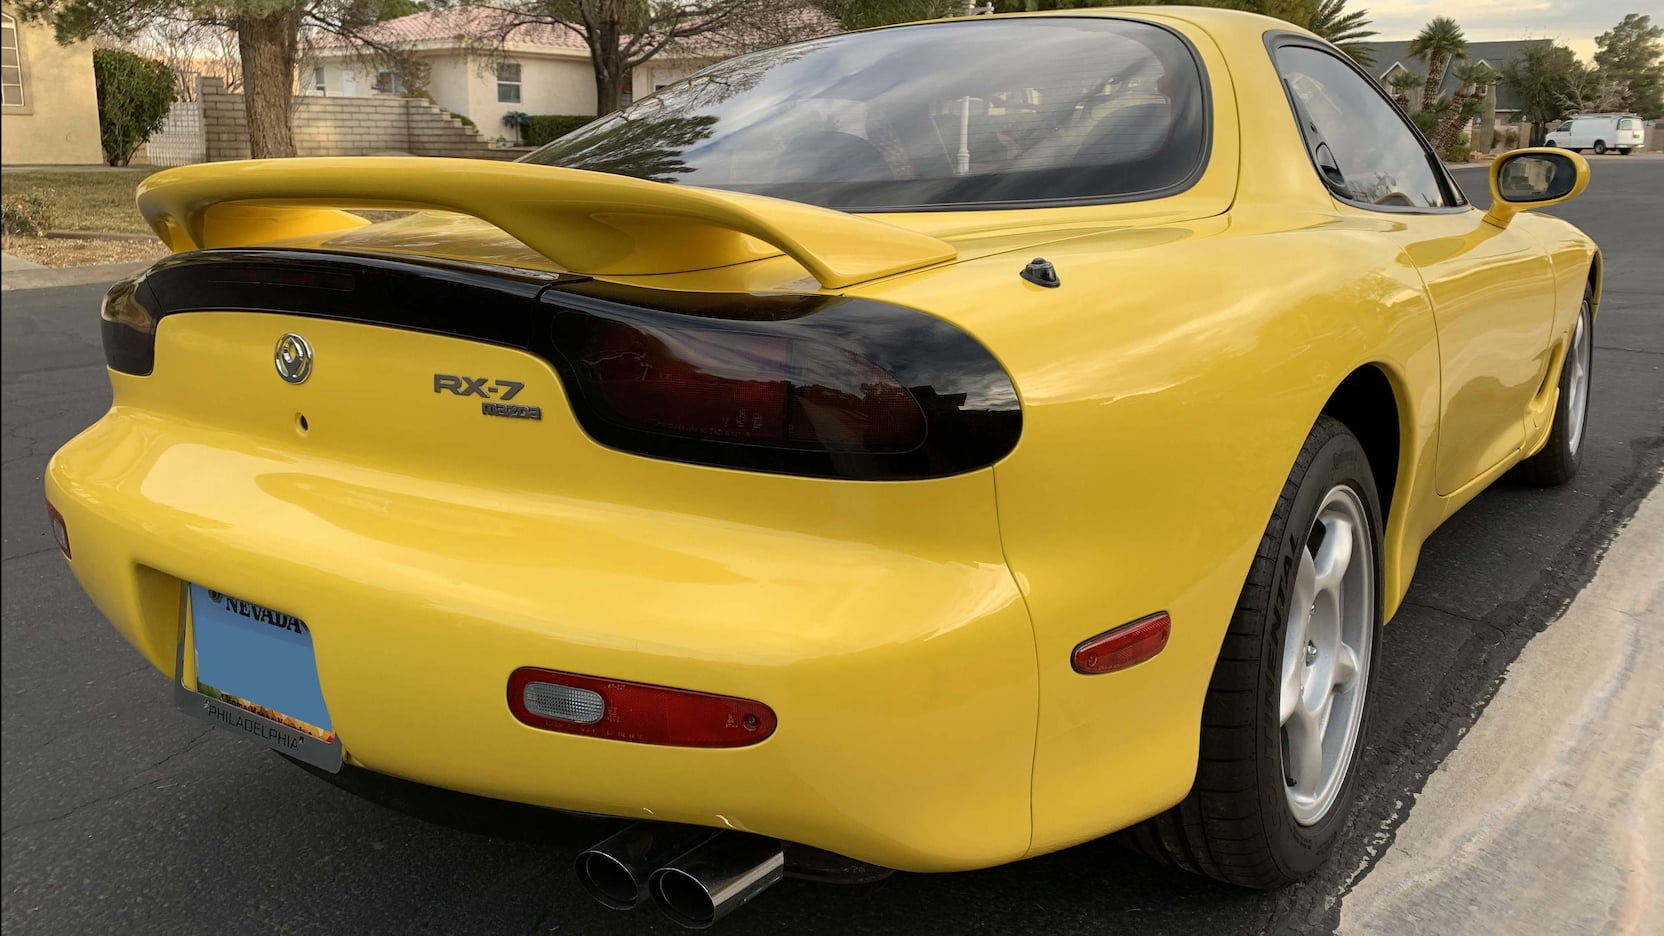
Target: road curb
[(48, 277)]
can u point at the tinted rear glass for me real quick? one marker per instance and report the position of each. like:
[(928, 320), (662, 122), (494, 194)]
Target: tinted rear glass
[(1626, 124), (970, 113)]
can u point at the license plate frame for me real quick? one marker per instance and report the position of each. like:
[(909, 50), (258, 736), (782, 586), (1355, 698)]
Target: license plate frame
[(326, 755)]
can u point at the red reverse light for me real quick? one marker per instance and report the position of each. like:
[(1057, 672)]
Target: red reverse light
[(1127, 645), (60, 530), (631, 711)]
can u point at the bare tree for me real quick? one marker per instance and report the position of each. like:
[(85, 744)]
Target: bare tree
[(1588, 91), (622, 34), (191, 49)]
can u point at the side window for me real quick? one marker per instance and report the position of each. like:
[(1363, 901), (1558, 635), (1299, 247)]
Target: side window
[(1565, 127), (1365, 150)]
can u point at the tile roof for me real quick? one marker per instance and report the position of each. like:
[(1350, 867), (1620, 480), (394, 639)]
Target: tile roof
[(462, 24), (474, 24)]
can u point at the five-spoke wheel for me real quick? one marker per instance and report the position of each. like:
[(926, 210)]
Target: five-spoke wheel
[(1326, 646)]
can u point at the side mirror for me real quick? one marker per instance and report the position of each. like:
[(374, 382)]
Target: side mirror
[(1534, 178)]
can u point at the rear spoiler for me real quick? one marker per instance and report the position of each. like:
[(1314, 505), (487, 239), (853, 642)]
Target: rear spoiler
[(584, 222)]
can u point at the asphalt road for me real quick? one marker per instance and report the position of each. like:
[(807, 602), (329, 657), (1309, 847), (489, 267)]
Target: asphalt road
[(122, 816)]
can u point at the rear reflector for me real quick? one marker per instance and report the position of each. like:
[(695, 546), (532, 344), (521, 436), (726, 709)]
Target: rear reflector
[(638, 712), (60, 530), (1127, 645)]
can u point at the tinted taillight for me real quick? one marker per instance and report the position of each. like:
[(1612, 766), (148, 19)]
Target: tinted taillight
[(847, 389), (572, 703), (128, 328)]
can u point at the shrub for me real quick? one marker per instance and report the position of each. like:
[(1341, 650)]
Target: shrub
[(546, 127), (462, 117), (1510, 138), (134, 95), (28, 213), (1458, 151)]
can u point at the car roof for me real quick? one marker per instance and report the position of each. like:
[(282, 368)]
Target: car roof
[(1212, 20)]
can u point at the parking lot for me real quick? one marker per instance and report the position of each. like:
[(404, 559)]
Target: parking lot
[(122, 815)]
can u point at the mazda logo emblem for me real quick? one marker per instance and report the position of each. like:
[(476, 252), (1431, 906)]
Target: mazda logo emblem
[(293, 358)]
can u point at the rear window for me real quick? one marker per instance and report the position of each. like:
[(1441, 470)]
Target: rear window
[(979, 113), (1626, 124)]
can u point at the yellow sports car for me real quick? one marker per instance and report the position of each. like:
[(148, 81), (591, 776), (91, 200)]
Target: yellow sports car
[(932, 446)]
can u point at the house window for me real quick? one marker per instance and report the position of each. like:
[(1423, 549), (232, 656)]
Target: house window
[(508, 82), (389, 82), (318, 79), (11, 71)]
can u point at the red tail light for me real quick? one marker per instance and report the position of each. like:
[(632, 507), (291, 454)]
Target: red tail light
[(720, 384), (1127, 645), (815, 386), (630, 711)]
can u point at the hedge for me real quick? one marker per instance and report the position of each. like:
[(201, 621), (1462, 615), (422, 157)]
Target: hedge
[(134, 96), (546, 127)]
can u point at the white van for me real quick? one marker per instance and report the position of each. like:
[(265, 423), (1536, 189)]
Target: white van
[(1599, 132)]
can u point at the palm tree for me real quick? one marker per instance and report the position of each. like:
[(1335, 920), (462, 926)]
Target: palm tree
[(1402, 82), (1474, 80), (1438, 42), (1347, 30)]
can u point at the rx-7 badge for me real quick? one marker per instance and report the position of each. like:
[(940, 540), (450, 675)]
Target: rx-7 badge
[(496, 394)]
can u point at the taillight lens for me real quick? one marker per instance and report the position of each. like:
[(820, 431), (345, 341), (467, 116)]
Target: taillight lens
[(128, 327), (844, 389), (773, 389), (629, 711), (1125, 646)]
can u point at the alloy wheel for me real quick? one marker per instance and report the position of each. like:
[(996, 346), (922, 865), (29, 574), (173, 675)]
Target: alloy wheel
[(1326, 655), (1577, 386)]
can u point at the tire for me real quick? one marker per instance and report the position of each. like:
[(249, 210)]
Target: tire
[(1239, 822), (1623, 151), (1562, 454), (1600, 147), (1550, 143)]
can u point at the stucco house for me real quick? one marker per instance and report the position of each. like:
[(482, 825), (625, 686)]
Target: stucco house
[(540, 69), (1392, 57), (50, 104)]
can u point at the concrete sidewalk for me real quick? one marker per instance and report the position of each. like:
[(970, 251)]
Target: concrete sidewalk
[(1548, 817), (11, 264)]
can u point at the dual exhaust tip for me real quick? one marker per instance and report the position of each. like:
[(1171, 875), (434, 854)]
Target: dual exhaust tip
[(696, 875)]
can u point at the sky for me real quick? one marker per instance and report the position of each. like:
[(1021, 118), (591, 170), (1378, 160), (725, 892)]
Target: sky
[(1574, 22)]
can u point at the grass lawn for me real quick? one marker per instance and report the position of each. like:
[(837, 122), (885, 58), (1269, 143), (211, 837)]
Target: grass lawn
[(86, 200)]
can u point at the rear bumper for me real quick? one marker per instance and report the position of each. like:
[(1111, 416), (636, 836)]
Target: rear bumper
[(901, 666)]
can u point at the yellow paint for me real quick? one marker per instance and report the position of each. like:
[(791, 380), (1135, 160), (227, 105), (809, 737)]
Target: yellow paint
[(913, 637), (584, 221)]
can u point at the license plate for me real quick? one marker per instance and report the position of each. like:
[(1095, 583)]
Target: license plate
[(257, 674)]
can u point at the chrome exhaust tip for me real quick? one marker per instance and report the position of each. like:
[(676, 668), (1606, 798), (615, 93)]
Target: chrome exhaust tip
[(615, 871), (716, 878)]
